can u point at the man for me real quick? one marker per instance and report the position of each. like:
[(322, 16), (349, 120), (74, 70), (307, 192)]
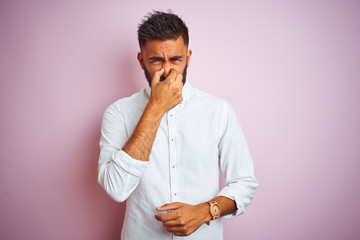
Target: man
[(161, 148)]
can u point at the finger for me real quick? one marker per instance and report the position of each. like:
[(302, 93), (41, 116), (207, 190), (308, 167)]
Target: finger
[(179, 77), (171, 223), (179, 231), (172, 75), (170, 206), (158, 217), (174, 229), (166, 217), (181, 85), (157, 75), (179, 234)]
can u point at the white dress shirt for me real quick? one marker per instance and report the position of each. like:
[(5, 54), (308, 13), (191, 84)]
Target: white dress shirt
[(197, 138)]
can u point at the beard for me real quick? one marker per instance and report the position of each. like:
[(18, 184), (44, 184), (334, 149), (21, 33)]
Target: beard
[(162, 78)]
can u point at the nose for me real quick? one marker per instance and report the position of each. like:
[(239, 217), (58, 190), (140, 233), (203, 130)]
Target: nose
[(167, 69)]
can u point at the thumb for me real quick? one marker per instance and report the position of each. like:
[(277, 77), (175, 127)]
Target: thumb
[(170, 206), (156, 78)]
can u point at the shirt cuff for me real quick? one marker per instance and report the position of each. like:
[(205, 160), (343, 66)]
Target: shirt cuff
[(129, 164), (229, 193)]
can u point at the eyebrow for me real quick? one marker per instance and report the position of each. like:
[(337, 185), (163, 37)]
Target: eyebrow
[(176, 58), (156, 58)]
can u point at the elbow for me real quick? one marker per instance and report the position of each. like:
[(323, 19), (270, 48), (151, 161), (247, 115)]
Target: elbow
[(254, 183), (251, 186), (250, 182), (117, 197), (117, 183), (117, 194)]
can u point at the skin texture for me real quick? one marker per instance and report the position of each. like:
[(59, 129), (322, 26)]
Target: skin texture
[(164, 96), (186, 219), (168, 54), (165, 61)]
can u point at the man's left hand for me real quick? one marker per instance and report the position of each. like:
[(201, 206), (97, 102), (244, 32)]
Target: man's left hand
[(185, 218)]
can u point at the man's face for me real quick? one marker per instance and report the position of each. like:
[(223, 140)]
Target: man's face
[(168, 54)]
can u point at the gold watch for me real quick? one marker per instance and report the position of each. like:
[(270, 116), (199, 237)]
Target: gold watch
[(214, 210)]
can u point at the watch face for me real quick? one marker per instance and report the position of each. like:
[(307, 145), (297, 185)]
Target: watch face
[(216, 210)]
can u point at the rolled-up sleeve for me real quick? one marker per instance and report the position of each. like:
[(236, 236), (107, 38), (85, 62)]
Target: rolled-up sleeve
[(236, 163), (118, 173)]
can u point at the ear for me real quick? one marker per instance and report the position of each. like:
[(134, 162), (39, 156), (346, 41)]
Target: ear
[(141, 60), (188, 55)]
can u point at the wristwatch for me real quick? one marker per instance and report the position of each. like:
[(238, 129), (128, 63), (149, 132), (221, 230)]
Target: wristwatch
[(214, 210)]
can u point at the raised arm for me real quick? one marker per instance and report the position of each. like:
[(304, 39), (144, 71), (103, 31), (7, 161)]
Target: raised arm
[(164, 96), (120, 170)]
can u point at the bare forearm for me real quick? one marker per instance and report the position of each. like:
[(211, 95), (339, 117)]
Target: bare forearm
[(184, 218), (227, 206), (164, 96), (141, 141)]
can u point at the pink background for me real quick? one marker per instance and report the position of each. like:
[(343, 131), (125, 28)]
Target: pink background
[(290, 69)]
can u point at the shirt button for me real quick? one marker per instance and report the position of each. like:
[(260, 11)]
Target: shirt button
[(175, 194), (172, 139), (173, 166), (171, 115)]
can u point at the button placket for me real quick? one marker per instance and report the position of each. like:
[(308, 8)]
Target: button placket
[(172, 152)]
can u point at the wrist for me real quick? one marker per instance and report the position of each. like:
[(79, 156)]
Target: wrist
[(154, 109), (205, 214)]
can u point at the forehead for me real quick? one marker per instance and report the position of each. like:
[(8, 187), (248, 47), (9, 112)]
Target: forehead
[(164, 48)]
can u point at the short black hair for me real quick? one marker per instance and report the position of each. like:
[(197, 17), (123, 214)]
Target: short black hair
[(162, 26)]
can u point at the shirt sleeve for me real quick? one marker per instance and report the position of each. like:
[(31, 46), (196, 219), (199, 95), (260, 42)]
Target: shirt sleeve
[(118, 173), (236, 164)]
